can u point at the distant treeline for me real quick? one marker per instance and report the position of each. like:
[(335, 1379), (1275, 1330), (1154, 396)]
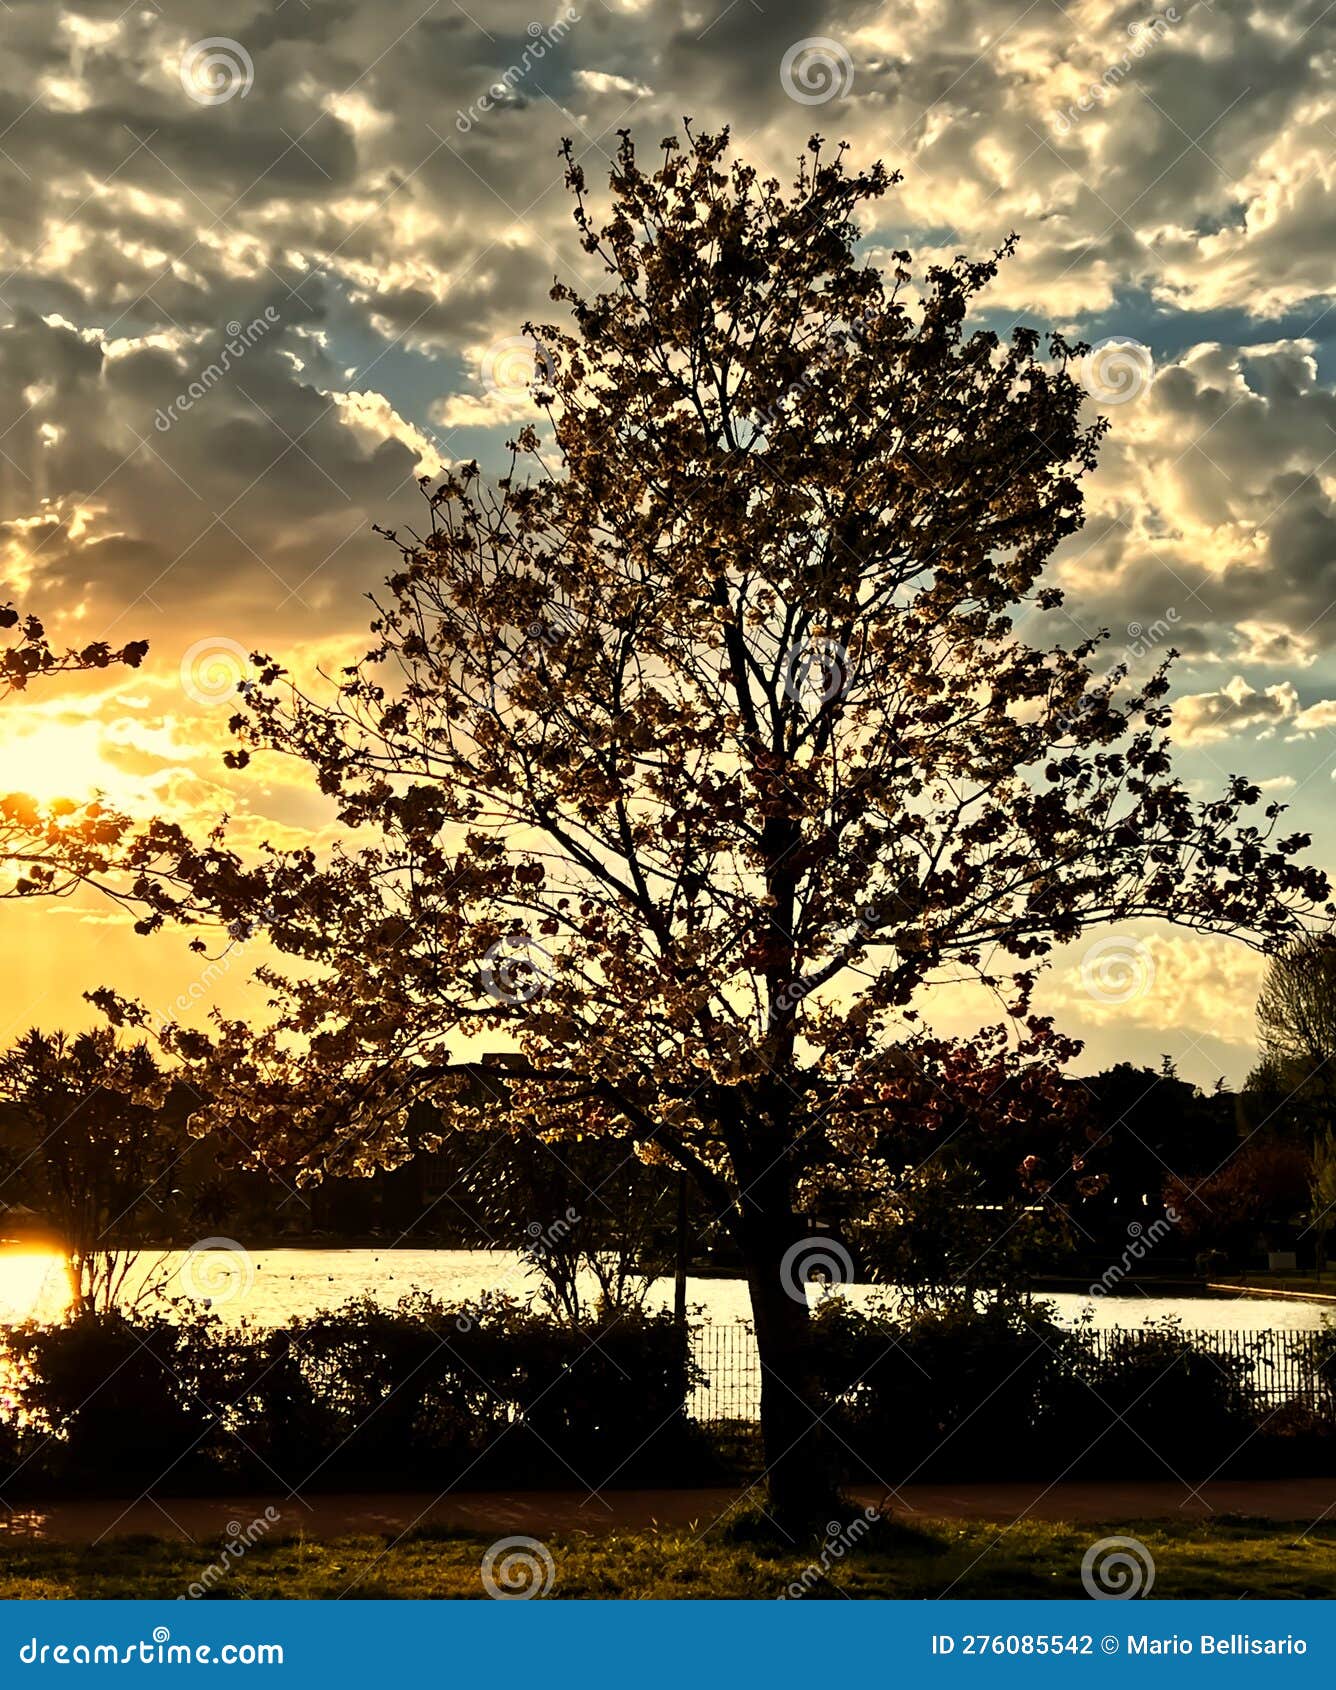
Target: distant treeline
[(1133, 1142)]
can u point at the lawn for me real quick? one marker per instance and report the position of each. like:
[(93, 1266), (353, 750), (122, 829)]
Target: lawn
[(1223, 1558)]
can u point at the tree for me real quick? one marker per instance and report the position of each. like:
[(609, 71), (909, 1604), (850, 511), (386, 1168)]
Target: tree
[(1261, 1194), (53, 849), (692, 756), (1296, 1017), (1322, 1195), (587, 1216), (96, 1150), (1140, 1124), (30, 653)]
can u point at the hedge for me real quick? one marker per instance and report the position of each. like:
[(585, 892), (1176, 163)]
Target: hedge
[(420, 1396)]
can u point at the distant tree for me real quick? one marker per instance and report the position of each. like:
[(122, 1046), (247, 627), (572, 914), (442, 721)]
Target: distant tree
[(963, 1196), (1296, 1018), (591, 1221), (1139, 1126), (1259, 1196), (95, 1153), (942, 1237), (691, 759), (1322, 1194)]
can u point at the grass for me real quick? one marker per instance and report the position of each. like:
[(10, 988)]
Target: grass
[(1225, 1558)]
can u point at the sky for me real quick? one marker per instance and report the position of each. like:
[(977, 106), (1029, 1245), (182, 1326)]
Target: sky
[(363, 203)]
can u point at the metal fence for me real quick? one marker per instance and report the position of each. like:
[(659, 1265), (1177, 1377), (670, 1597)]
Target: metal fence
[(1279, 1366)]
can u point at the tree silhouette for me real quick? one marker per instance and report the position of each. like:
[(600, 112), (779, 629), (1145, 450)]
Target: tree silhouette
[(692, 752), (1296, 1018), (30, 654), (98, 1150), (51, 849)]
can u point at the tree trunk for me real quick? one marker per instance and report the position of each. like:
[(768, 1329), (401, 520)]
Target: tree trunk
[(683, 1256), (799, 1470)]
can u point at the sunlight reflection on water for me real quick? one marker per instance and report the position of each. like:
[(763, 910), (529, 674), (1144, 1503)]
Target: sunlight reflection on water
[(33, 1284)]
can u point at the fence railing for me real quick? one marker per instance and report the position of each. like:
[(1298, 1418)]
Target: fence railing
[(1280, 1366)]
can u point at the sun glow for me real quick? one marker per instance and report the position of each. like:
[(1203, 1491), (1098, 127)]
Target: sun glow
[(34, 1284), (58, 759)]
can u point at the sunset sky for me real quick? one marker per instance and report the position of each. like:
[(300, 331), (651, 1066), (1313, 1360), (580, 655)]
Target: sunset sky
[(333, 186)]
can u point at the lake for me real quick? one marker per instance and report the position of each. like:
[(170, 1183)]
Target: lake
[(269, 1286)]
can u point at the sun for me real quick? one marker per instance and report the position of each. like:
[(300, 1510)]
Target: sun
[(55, 758)]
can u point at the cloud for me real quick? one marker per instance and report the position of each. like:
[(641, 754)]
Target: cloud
[(1169, 172), (1214, 495), (1160, 982), (1204, 717)]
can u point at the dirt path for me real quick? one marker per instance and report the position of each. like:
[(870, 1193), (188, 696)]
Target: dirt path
[(565, 1512)]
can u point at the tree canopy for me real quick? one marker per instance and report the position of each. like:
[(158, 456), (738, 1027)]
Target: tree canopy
[(693, 752)]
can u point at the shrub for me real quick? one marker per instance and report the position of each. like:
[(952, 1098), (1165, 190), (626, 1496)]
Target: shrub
[(1001, 1392), (946, 1391), (420, 1394), (1158, 1407), (107, 1397)]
